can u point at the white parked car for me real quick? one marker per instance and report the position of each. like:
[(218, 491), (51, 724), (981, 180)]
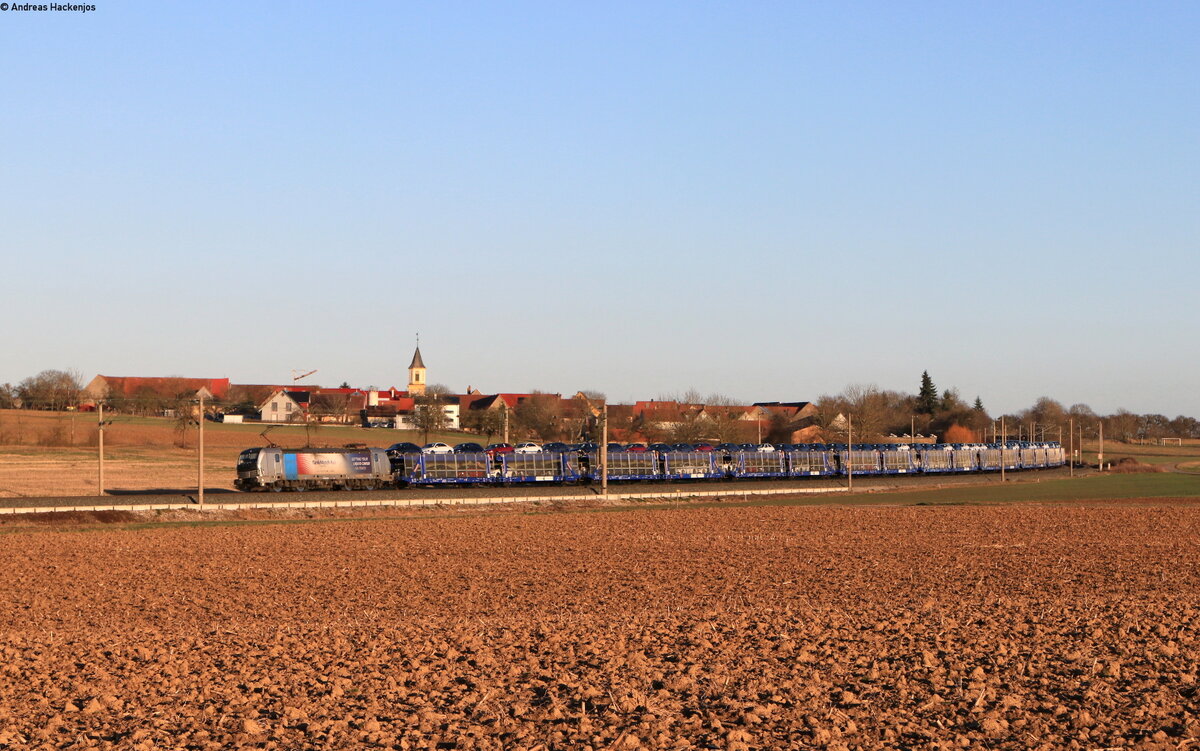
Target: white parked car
[(766, 447), (436, 448), (527, 448)]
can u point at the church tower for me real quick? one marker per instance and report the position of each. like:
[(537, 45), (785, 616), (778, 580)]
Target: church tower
[(416, 374)]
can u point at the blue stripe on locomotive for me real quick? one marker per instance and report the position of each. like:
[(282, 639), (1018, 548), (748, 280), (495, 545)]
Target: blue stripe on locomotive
[(290, 471)]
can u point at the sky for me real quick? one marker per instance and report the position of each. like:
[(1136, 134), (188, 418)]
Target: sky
[(762, 200)]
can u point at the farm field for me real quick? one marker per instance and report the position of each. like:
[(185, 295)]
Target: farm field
[(834, 626), (1097, 487), (1165, 456), (54, 454)]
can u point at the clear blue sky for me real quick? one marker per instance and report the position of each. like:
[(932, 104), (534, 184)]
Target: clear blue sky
[(768, 200)]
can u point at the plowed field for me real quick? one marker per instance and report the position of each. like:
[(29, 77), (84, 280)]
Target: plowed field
[(770, 627)]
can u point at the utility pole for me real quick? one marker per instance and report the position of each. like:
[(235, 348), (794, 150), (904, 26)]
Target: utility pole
[(850, 451), (504, 409), (1003, 442), (912, 429), (604, 450), (100, 442), (1071, 440), (1100, 456), (200, 453)]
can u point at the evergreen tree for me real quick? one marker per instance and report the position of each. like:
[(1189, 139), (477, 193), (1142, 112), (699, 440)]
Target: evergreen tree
[(927, 397), (978, 405)]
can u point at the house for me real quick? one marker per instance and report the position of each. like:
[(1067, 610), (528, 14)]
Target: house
[(403, 416), (316, 405), (284, 406), (391, 412), (791, 422), (497, 401), (132, 387), (151, 395), (667, 414), (337, 405), (244, 398), (791, 411)]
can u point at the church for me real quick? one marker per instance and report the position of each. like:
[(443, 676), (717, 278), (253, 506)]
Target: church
[(416, 374)]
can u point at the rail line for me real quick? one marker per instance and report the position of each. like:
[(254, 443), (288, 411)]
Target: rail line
[(352, 502)]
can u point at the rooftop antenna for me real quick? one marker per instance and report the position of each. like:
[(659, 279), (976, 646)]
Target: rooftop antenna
[(298, 375)]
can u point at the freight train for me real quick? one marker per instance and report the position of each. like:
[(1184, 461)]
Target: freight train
[(278, 469)]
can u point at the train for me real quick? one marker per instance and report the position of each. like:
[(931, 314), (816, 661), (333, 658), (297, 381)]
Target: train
[(282, 469)]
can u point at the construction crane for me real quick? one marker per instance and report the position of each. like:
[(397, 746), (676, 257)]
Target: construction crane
[(301, 375)]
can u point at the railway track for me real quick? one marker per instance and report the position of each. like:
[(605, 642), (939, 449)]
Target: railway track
[(224, 499)]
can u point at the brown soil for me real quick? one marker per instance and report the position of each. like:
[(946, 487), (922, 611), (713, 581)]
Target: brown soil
[(769, 627)]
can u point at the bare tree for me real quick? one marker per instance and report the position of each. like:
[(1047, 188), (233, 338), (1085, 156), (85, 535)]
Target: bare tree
[(429, 414), (438, 390), (1123, 425), (873, 411), (51, 390), (692, 427), (1046, 412), (8, 396), (184, 408), (1153, 426), (1081, 412), (540, 416), (778, 430), (1185, 427), (689, 420), (870, 408), (722, 414), (578, 417), (326, 407), (486, 422)]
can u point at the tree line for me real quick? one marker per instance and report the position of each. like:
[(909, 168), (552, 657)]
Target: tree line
[(945, 413), (48, 390)]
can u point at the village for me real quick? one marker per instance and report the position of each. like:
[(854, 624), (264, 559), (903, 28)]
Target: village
[(420, 405)]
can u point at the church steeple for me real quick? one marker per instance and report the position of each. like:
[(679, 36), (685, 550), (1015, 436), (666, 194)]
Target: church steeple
[(416, 373)]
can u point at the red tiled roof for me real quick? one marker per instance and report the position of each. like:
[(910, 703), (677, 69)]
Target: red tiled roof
[(489, 400), (665, 411), (130, 385)]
